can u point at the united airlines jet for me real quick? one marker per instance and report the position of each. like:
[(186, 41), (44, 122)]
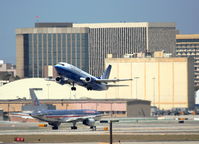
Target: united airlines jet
[(69, 74), (56, 117)]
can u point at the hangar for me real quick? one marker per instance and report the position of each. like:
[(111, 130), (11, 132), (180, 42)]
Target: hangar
[(168, 82), (15, 96)]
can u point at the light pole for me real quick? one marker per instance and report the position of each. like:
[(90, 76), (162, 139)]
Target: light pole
[(153, 91), (111, 130), (136, 85), (48, 89)]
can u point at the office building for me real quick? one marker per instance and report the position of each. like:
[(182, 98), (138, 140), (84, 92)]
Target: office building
[(119, 39), (187, 45), (48, 44), (86, 45)]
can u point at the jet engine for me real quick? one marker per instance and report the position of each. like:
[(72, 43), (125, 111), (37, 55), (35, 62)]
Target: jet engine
[(87, 79), (61, 80), (89, 122)]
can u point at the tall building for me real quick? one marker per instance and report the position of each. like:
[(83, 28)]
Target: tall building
[(119, 39), (48, 44), (86, 45), (187, 45)]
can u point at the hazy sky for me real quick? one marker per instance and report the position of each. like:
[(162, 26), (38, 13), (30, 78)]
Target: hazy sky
[(21, 13)]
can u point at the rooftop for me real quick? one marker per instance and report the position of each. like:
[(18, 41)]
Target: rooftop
[(37, 25), (124, 24), (187, 36)]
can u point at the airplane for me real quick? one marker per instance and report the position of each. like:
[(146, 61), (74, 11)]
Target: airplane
[(69, 74), (55, 117)]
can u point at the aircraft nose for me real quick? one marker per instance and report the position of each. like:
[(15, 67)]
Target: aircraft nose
[(59, 65), (33, 114), (56, 66)]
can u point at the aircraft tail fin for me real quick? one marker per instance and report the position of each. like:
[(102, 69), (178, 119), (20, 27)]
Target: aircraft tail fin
[(34, 98), (106, 73)]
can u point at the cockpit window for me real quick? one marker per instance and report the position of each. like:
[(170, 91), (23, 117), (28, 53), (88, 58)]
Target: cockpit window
[(62, 64)]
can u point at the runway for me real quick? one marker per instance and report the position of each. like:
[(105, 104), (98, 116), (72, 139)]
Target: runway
[(125, 131), (124, 127)]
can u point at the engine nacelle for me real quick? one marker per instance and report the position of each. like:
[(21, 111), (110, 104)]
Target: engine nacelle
[(89, 122), (58, 79), (61, 80), (87, 79)]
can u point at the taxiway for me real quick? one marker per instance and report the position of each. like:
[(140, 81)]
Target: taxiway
[(123, 131)]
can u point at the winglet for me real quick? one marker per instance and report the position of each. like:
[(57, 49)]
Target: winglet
[(106, 73)]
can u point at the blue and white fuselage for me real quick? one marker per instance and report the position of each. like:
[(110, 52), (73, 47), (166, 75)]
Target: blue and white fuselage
[(73, 75)]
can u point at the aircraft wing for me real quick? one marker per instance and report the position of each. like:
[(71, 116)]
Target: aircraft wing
[(112, 80), (22, 115), (117, 85), (76, 119), (61, 81), (25, 117), (49, 79)]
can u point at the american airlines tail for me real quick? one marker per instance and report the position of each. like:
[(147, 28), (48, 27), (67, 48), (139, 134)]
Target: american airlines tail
[(106, 73), (34, 98)]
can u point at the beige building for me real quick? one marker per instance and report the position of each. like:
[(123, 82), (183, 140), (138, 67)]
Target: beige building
[(166, 82)]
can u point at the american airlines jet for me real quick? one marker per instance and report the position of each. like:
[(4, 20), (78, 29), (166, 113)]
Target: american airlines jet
[(69, 74), (56, 117)]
